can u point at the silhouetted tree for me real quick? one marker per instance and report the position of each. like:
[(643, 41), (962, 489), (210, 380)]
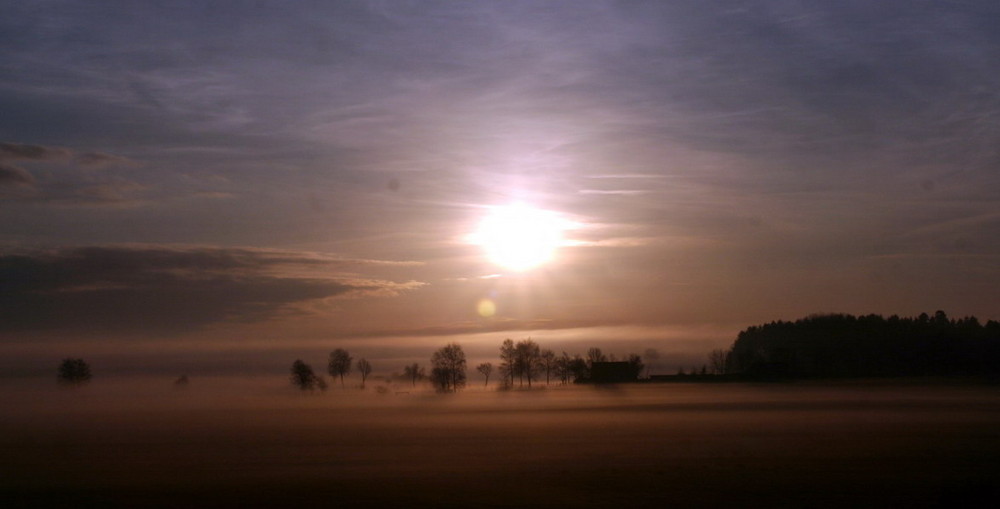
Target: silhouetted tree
[(579, 369), (717, 359), (635, 365), (74, 372), (595, 355), (485, 369), (527, 357), (413, 372), (508, 362), (303, 376), (562, 370), (365, 368), (448, 368), (568, 368), (339, 364), (548, 363), (841, 345)]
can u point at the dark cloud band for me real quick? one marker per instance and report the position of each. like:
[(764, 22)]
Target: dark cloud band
[(160, 290)]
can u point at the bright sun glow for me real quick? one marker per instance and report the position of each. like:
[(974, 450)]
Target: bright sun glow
[(519, 237)]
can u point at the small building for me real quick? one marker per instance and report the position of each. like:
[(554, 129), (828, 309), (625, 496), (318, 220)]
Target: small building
[(613, 373)]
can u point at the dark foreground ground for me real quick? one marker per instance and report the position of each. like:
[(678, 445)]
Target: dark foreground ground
[(885, 445)]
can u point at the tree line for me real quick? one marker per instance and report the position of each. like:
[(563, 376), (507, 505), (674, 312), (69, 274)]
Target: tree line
[(521, 364), (843, 345), (818, 346)]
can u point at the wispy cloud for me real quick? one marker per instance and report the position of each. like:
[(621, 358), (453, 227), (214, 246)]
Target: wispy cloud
[(68, 184), (101, 159), (11, 175), (26, 152), (621, 192)]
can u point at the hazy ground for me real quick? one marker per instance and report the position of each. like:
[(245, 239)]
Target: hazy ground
[(243, 443)]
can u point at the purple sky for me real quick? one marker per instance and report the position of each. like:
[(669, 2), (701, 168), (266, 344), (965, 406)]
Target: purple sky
[(199, 186)]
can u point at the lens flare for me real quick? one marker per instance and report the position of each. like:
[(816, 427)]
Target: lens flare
[(486, 308)]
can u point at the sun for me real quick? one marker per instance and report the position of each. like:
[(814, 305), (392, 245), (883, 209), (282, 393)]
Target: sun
[(519, 237)]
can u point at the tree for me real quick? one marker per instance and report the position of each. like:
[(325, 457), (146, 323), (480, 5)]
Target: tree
[(595, 355), (527, 357), (414, 372), (717, 360), (448, 368), (304, 378), (508, 361), (485, 368), (562, 368), (548, 363), (365, 368), (842, 345), (635, 365), (74, 372), (578, 368), (339, 365)]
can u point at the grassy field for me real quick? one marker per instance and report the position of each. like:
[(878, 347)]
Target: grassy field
[(257, 443)]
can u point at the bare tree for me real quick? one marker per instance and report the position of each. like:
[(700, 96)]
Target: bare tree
[(527, 360), (717, 360), (562, 368), (414, 372), (548, 363), (339, 365), (595, 355), (448, 368), (485, 368), (365, 368), (74, 372), (508, 362), (304, 378)]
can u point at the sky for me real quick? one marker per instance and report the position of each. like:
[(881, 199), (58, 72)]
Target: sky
[(228, 186)]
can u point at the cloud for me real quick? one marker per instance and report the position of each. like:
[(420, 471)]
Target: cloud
[(11, 175), (621, 192), (113, 192), (478, 327), (156, 290), (24, 152), (100, 160), (68, 185)]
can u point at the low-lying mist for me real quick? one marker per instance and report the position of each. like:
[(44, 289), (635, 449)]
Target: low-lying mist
[(231, 441)]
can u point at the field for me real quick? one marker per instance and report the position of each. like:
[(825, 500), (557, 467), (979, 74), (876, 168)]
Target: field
[(257, 443)]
